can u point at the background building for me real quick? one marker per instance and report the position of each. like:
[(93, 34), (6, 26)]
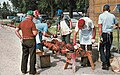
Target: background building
[(96, 7)]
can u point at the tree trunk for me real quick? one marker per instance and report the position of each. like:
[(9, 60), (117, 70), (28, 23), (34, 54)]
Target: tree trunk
[(52, 11), (71, 8)]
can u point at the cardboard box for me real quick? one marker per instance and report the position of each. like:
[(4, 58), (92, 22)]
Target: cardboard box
[(45, 61)]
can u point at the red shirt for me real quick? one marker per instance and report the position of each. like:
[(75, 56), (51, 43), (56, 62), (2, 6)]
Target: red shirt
[(27, 26)]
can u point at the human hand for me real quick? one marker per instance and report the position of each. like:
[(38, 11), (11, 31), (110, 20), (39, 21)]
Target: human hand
[(21, 40), (51, 36), (76, 46), (114, 26), (93, 41), (101, 39), (55, 35)]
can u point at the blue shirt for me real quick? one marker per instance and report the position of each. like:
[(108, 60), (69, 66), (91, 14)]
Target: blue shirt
[(38, 20), (42, 27), (59, 12), (107, 20)]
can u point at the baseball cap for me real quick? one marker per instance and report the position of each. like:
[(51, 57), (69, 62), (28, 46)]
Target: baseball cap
[(36, 13), (30, 12), (81, 23)]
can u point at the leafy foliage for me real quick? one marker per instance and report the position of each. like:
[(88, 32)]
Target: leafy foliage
[(48, 6), (82, 5)]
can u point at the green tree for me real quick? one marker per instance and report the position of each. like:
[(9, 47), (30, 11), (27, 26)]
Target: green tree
[(50, 6), (0, 11), (82, 5), (5, 10), (24, 5), (16, 5)]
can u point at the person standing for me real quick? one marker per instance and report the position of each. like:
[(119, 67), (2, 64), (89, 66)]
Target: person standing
[(106, 23), (59, 17), (28, 42), (37, 20), (87, 33), (59, 12), (65, 29)]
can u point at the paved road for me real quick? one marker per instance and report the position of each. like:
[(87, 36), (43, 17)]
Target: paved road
[(10, 56)]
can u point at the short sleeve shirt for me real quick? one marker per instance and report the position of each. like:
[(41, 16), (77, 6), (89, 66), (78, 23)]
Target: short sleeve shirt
[(36, 21), (64, 28), (59, 12), (107, 20), (42, 27), (85, 34), (27, 26)]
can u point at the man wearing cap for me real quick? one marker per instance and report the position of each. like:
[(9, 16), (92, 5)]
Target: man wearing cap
[(106, 23), (28, 42), (87, 33)]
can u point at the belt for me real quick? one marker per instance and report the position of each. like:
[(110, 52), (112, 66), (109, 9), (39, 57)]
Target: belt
[(107, 33), (29, 38)]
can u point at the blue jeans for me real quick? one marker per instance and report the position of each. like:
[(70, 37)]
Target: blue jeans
[(105, 44), (39, 46)]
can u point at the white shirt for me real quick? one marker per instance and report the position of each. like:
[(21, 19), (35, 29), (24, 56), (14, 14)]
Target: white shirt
[(85, 34), (64, 28), (107, 20)]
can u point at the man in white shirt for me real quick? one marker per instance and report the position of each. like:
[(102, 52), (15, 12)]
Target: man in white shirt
[(106, 23), (65, 29), (87, 33)]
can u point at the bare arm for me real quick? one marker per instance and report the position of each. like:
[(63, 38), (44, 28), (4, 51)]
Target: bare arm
[(18, 33), (35, 32), (74, 37), (70, 24), (94, 33), (100, 29), (46, 34)]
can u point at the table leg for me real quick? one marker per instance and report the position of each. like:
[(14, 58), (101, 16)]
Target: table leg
[(67, 62)]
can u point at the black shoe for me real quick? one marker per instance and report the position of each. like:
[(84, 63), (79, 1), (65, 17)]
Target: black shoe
[(83, 65), (88, 65), (105, 67), (108, 65)]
